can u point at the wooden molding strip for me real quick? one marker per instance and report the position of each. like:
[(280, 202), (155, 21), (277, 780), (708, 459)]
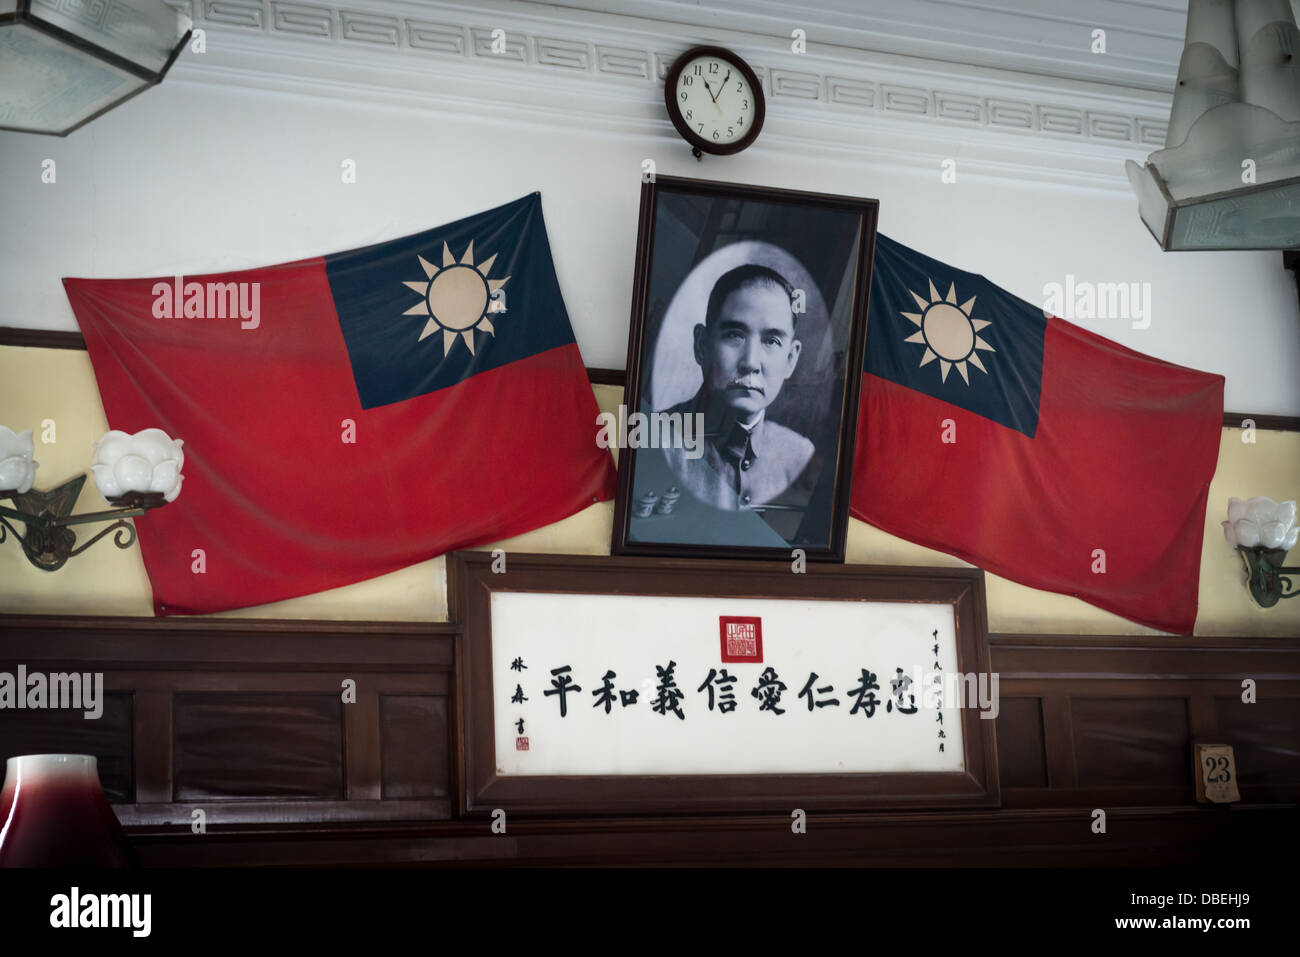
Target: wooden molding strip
[(1276, 423), (41, 338), (52, 339)]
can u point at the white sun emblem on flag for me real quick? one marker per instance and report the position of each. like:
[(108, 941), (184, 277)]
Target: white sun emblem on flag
[(457, 297), (948, 332)]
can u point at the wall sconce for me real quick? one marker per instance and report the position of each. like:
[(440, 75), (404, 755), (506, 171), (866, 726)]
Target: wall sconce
[(134, 473), (64, 63), (1263, 532), (1229, 175)]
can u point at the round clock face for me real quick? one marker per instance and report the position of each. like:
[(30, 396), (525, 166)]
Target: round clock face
[(714, 100)]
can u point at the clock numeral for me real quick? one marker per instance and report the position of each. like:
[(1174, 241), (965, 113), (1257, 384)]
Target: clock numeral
[(744, 104), (730, 131), (740, 121), (713, 67), (687, 80), (700, 126), (698, 70), (690, 114), (740, 88), (683, 96), (715, 134)]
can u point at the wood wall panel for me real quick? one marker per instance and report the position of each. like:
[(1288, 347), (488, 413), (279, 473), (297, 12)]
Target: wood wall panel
[(257, 745), (245, 719), (1265, 737), (1139, 742), (1022, 762), (206, 712), (61, 731), (416, 746)]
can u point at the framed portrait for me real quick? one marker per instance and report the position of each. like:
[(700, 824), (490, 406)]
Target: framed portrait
[(744, 366)]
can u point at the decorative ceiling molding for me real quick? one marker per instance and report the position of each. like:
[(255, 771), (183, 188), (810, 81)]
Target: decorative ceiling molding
[(604, 70), (1144, 38)]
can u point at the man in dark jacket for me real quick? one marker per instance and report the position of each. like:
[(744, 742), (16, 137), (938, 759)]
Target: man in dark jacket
[(747, 349)]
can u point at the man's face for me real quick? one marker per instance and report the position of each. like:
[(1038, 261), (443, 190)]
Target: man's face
[(750, 350)]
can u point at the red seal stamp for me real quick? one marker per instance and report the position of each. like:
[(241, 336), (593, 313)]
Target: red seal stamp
[(742, 638), (521, 743)]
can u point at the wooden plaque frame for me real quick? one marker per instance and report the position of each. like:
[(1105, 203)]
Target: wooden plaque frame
[(471, 583)]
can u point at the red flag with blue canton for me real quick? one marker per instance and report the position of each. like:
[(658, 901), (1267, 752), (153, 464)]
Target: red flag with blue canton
[(1073, 464), (385, 406)]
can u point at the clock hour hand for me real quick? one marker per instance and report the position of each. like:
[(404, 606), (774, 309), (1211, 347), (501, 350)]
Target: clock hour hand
[(712, 97)]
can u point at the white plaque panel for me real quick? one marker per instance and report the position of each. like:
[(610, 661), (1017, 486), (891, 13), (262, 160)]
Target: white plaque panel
[(780, 723)]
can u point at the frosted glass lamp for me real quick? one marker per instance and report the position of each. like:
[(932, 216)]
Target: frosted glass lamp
[(64, 62), (1229, 175), (1263, 531)]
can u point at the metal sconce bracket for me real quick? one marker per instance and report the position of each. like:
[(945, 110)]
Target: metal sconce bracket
[(49, 541), (1268, 579)]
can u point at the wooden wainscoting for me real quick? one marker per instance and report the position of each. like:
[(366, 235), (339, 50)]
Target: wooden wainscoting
[(246, 720)]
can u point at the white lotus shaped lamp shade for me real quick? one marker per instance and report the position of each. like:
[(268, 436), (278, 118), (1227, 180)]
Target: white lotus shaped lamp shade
[(1261, 522), (17, 465), (149, 461)]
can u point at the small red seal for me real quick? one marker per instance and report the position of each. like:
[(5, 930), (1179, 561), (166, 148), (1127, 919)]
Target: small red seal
[(521, 744), (742, 638)]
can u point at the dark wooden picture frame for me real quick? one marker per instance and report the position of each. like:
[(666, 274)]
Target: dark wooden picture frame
[(827, 504), (471, 583)]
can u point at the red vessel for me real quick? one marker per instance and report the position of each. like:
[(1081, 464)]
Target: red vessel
[(53, 813)]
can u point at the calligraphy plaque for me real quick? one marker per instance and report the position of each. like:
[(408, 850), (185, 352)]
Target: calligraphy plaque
[(871, 688)]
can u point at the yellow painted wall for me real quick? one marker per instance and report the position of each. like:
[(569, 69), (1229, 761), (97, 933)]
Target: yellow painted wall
[(58, 386)]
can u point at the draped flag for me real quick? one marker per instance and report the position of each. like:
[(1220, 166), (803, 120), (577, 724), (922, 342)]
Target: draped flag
[(1030, 447), (349, 415)]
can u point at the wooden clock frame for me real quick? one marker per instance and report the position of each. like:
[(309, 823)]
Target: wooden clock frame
[(698, 143)]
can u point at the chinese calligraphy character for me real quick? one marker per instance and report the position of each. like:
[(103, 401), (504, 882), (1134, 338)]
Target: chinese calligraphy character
[(768, 691), (807, 692), (518, 697), (668, 694), (518, 665), (898, 687), (605, 693), (520, 725), (867, 699), (726, 699), (562, 684)]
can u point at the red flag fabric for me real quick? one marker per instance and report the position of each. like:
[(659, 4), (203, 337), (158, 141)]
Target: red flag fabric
[(346, 416), (1033, 448)]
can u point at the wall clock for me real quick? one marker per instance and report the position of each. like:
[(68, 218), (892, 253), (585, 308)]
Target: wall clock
[(714, 100)]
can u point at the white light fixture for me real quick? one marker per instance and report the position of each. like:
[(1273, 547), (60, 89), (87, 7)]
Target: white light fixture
[(64, 62), (1229, 175), (127, 467), (17, 465), (1263, 531), (134, 473)]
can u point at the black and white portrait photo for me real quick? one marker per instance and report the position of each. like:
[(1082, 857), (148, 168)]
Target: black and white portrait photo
[(743, 368)]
